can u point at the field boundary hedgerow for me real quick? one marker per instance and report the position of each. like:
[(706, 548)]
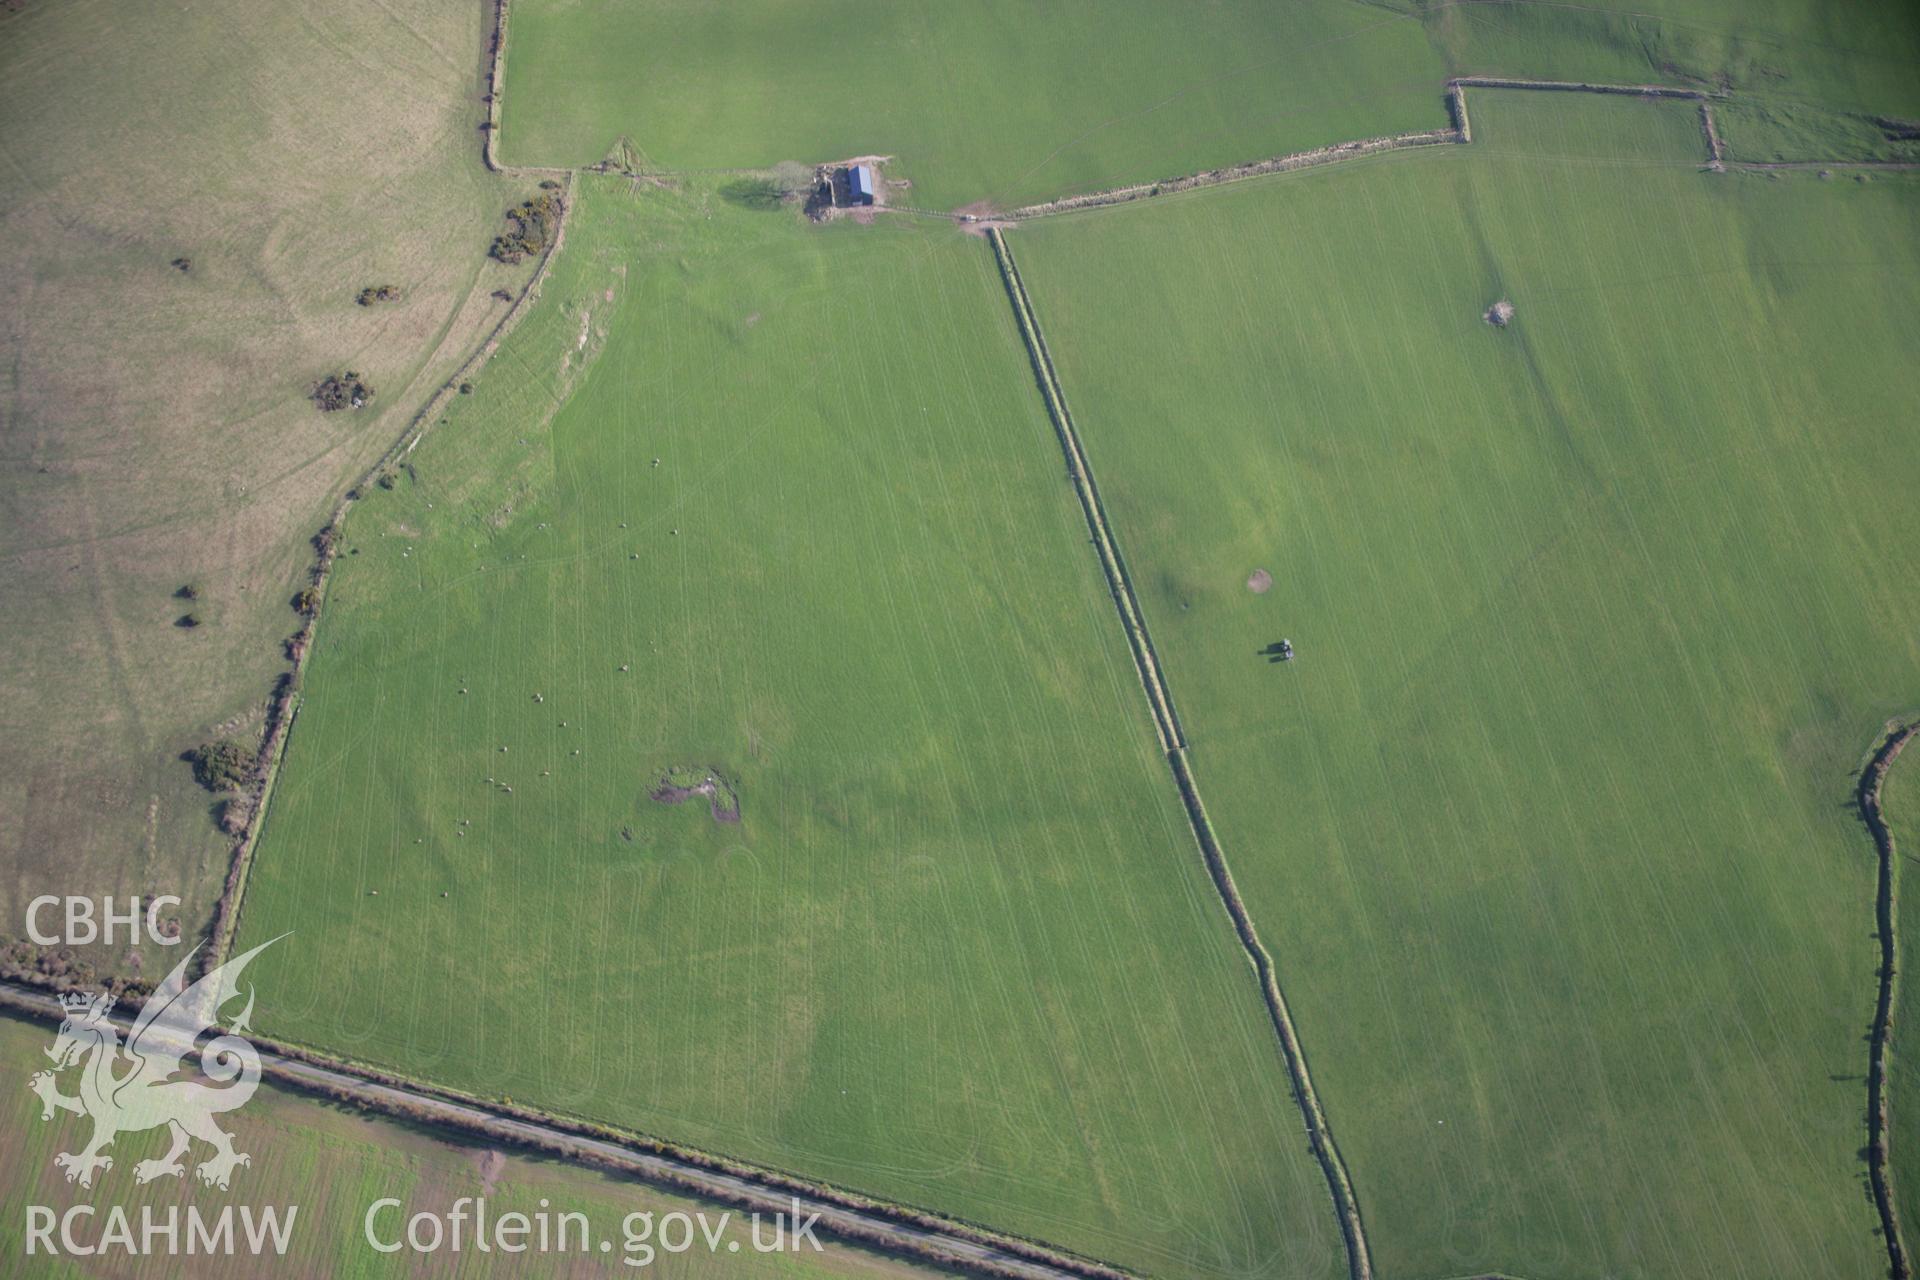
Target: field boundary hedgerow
[(1459, 133), (1234, 173), (1319, 1135), (496, 94), (1164, 721), (894, 1229), (1886, 915), (286, 703)]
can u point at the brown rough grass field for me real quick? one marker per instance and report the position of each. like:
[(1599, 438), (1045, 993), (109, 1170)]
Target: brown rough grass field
[(154, 429)]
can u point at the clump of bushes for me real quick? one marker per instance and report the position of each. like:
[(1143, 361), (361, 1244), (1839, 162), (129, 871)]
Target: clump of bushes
[(182, 264), (466, 388), (339, 391), (187, 621), (387, 479), (23, 961), (187, 592), (378, 293), (306, 601), (62, 969), (531, 226), (221, 766), (501, 295)]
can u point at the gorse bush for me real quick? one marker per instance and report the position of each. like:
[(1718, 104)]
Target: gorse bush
[(224, 765), (532, 224), (339, 391)]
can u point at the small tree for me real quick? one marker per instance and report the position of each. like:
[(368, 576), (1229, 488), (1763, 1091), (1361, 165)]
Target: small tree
[(223, 765)]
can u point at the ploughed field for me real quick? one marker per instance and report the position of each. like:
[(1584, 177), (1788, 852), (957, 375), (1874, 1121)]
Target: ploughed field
[(923, 917), (1548, 822)]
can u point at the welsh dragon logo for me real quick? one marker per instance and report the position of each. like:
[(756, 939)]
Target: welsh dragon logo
[(132, 1088)]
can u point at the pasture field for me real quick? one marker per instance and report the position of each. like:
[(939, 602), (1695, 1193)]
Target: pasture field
[(1003, 101), (333, 1162), (776, 504), (1789, 54), (1008, 103), (155, 421), (1773, 132), (1549, 823), (1900, 805)]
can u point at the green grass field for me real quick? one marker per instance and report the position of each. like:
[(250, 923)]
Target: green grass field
[(1789, 54), (959, 950), (1791, 132), (1549, 824), (334, 1163), (1000, 101), (1008, 103)]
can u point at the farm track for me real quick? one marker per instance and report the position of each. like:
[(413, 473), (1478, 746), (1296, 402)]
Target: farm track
[(903, 1233), (1886, 915), (1319, 1136)]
